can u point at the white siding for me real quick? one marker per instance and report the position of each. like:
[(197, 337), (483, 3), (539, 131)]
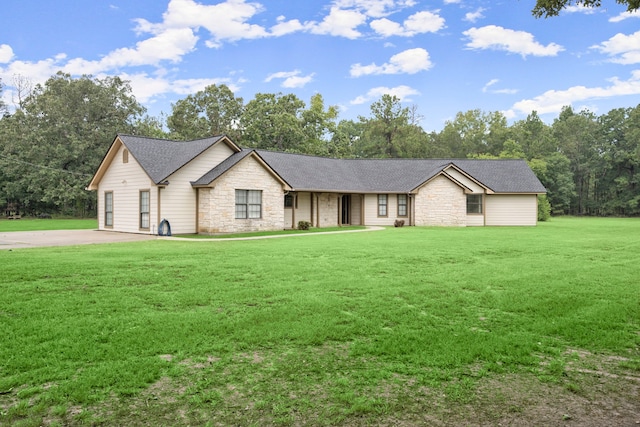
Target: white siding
[(475, 220), (302, 212), (464, 180), (126, 180), (517, 209), (371, 210), (179, 197)]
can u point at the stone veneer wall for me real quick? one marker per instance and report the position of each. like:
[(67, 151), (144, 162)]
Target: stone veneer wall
[(217, 205), (441, 203), (328, 204)]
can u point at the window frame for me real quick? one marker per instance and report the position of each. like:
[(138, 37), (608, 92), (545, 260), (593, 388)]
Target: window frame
[(478, 204), (289, 201), (383, 207), (405, 205), (245, 202), (144, 215), (125, 156), (108, 209)]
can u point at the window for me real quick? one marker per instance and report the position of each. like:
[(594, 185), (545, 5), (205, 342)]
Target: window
[(248, 204), (144, 209), (288, 201), (125, 156), (108, 209), (402, 205), (382, 205), (474, 203)]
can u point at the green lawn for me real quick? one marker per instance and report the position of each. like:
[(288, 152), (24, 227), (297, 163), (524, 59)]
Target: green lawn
[(32, 224), (406, 326)]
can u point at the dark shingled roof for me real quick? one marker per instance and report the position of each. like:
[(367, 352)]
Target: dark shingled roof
[(311, 173), (160, 157)]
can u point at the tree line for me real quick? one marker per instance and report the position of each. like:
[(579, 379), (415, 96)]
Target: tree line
[(56, 135)]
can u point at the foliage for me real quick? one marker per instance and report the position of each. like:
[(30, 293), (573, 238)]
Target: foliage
[(304, 225), (344, 329), (215, 110), (547, 8), (53, 144), (544, 208)]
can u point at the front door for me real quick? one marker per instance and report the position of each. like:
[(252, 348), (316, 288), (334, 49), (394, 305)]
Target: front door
[(346, 209)]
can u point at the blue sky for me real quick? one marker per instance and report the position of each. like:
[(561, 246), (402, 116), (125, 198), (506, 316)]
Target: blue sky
[(444, 56)]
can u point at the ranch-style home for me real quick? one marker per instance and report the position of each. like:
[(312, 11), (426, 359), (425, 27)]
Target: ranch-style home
[(212, 185)]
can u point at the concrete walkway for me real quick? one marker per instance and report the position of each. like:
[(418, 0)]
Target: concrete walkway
[(35, 239)]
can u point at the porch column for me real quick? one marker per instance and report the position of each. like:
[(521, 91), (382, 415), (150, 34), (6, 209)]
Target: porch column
[(339, 210), (312, 205), (294, 201)]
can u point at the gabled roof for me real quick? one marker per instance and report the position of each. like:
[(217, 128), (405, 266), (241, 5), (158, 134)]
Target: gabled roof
[(310, 173), (159, 158)]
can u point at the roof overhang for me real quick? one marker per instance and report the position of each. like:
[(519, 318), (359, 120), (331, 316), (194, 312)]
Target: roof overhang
[(104, 165), (444, 173), (255, 156)]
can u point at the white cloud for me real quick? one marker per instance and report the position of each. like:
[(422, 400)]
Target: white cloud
[(624, 49), (474, 16), (410, 61), (451, 1), (401, 92), (487, 88), (552, 101), (499, 38), (340, 22), (418, 23), (6, 54), (226, 21), (374, 8), (284, 27), (291, 79), (625, 15), (579, 9)]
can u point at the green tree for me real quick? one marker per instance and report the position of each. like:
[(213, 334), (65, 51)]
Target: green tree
[(59, 137), (547, 8), (576, 135), (534, 136), (385, 130), (344, 140), (474, 133), (274, 121), (619, 186), (215, 110), (319, 125)]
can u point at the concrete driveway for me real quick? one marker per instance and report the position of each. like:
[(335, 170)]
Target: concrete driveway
[(34, 239)]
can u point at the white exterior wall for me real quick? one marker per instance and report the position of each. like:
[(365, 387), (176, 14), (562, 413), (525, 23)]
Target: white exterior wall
[(371, 210), (465, 181), (302, 212), (441, 202), (511, 209), (217, 205), (475, 220), (126, 180), (178, 199)]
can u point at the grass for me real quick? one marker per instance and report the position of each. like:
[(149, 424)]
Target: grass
[(32, 224), (271, 233), (406, 325)]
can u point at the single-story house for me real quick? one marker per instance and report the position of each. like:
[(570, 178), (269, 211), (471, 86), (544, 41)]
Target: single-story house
[(212, 185)]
